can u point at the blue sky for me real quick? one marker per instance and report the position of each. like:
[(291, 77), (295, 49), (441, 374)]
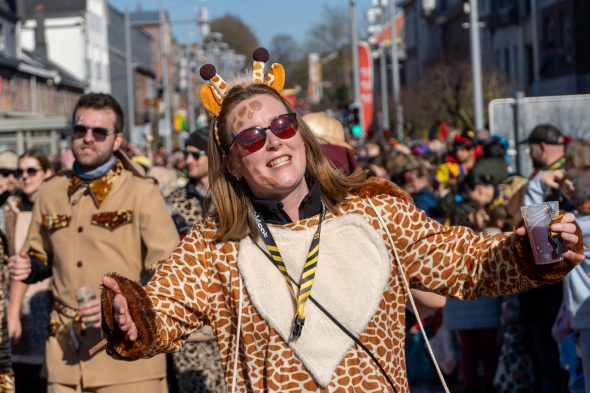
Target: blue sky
[(264, 17)]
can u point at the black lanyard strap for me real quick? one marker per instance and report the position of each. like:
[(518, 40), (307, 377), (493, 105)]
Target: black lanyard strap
[(309, 269)]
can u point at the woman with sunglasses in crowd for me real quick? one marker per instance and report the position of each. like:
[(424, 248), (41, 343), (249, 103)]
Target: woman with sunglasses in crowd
[(303, 273), (27, 329)]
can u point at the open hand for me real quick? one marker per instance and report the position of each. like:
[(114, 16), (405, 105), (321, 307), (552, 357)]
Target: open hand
[(121, 313)]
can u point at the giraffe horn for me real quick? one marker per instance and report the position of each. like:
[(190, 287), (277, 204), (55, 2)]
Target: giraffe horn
[(209, 73), (260, 56)]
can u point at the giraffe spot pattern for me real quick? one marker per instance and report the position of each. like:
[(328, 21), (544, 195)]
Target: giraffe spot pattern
[(200, 284)]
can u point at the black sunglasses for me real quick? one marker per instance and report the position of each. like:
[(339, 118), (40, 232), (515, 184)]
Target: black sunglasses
[(196, 154), (7, 172), (31, 172), (98, 133), (254, 138)]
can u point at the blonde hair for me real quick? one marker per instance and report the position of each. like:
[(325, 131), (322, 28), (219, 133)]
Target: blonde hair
[(232, 198)]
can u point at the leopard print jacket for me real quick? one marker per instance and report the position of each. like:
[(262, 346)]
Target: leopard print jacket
[(6, 374)]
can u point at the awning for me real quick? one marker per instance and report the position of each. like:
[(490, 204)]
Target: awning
[(11, 122)]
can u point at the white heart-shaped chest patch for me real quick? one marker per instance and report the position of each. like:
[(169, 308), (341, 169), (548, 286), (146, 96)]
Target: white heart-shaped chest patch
[(353, 270)]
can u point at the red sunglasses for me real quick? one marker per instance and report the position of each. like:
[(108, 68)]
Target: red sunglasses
[(254, 138)]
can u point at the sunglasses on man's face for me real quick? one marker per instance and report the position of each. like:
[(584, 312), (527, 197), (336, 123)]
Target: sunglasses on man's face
[(98, 133), (7, 172), (195, 154), (31, 172), (254, 138)]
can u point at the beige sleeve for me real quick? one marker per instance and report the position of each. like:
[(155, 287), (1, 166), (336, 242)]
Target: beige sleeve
[(37, 243), (158, 232)]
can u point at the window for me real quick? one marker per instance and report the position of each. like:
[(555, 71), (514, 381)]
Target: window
[(563, 29), (2, 37), (548, 38), (507, 62)]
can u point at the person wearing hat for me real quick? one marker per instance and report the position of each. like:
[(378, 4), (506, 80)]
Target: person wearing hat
[(540, 305), (100, 217), (460, 160), (197, 364), (546, 148), (192, 201), (331, 135)]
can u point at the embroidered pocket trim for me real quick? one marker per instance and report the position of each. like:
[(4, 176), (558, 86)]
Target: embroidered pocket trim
[(112, 220), (55, 221)]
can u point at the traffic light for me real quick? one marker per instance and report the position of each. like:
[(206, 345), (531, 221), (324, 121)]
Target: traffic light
[(356, 130)]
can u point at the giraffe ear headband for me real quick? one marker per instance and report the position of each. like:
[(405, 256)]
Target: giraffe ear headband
[(213, 92)]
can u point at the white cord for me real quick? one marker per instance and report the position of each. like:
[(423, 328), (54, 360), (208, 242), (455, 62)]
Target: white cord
[(412, 303), (237, 355)]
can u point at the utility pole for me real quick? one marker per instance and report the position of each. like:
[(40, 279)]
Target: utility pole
[(383, 75), (397, 105), (130, 79), (535, 40), (354, 43), (476, 64), (165, 84), (384, 103), (189, 88)]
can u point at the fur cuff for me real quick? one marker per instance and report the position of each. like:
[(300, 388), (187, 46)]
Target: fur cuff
[(143, 314), (544, 273)]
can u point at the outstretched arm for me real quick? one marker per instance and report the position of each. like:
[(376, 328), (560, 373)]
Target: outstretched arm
[(120, 310), (129, 321)]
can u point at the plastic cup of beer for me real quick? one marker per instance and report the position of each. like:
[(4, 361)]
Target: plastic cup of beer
[(84, 295), (537, 220)]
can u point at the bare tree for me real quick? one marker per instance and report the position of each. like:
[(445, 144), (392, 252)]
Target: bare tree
[(236, 33), (445, 93), (285, 49), (331, 40), (330, 34)]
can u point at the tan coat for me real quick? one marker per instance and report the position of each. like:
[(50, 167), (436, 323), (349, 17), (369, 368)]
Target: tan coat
[(120, 223)]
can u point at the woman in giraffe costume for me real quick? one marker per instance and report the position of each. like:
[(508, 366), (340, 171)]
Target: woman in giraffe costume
[(304, 272)]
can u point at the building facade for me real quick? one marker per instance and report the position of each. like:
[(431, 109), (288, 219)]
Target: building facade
[(143, 92), (537, 46), (36, 95), (74, 35)]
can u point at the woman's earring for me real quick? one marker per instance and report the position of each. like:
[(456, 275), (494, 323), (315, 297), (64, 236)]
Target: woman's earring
[(238, 178)]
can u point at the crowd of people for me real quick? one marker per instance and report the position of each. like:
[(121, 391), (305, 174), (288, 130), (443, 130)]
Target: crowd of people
[(210, 254)]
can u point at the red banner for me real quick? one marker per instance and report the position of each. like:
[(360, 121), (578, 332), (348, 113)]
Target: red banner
[(366, 83)]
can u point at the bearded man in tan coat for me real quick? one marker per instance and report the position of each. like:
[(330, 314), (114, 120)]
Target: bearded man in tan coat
[(101, 217)]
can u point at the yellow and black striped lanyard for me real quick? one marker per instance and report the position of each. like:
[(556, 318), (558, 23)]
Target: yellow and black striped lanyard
[(308, 274)]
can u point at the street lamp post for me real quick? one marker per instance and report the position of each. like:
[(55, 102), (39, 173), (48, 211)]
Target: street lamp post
[(355, 60), (397, 105), (165, 84), (383, 74), (189, 89), (130, 79), (476, 64)]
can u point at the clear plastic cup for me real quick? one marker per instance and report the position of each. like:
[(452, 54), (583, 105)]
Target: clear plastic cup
[(537, 219), (84, 295)]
